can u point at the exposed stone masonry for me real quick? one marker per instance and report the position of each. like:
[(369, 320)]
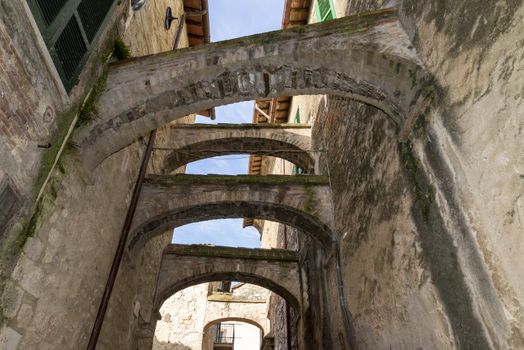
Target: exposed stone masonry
[(274, 273), (228, 252), (418, 246), (188, 143), (184, 266), (171, 201), (368, 58)]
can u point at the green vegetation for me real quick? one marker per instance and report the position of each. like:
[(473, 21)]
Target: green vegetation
[(171, 180), (95, 81), (121, 51), (88, 111), (423, 192), (230, 252), (310, 202)]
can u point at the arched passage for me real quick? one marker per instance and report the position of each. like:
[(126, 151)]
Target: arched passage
[(188, 143), (171, 201), (368, 58), (209, 331), (184, 266), (234, 319)]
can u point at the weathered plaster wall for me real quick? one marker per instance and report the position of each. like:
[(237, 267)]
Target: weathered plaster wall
[(430, 230), (431, 249), (189, 315), (473, 146), (182, 323), (387, 286)]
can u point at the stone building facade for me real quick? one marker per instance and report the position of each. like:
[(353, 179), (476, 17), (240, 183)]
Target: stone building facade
[(419, 138), (64, 221), (190, 317)]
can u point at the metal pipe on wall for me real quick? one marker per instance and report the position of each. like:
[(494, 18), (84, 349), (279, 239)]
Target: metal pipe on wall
[(117, 260)]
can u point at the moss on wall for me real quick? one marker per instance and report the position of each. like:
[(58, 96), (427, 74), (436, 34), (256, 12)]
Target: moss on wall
[(172, 180), (229, 252), (95, 81)]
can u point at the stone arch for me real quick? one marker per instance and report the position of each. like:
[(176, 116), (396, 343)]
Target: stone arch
[(184, 266), (170, 201), (206, 335), (257, 279), (366, 57), (234, 319), (188, 143)]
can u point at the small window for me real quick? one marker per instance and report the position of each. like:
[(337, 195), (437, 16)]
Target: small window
[(225, 287), (324, 10), (298, 170), (297, 116)]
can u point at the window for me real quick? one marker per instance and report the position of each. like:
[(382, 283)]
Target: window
[(225, 286), (297, 116), (298, 170), (225, 333), (324, 10), (69, 29)]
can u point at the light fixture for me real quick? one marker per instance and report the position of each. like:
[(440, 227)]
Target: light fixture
[(169, 18)]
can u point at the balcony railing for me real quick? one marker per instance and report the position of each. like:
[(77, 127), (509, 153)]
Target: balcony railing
[(225, 334)]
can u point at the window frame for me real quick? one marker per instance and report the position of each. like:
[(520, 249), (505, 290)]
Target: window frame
[(331, 12), (51, 32)]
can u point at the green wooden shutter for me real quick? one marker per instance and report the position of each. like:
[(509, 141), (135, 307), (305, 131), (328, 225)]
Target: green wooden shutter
[(69, 29), (69, 49), (50, 9), (297, 116), (324, 10), (92, 13)]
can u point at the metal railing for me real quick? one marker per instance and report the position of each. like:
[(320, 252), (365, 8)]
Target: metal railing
[(225, 334)]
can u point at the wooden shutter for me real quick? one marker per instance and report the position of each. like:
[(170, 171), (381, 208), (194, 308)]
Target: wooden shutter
[(70, 29), (324, 10)]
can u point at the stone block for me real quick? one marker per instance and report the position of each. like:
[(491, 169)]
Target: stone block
[(29, 275), (25, 315), (9, 338), (11, 299), (34, 249)]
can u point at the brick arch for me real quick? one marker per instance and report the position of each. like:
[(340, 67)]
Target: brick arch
[(367, 57), (167, 202), (184, 266), (189, 143)]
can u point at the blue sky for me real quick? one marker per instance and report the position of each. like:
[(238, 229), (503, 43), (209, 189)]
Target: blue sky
[(230, 19)]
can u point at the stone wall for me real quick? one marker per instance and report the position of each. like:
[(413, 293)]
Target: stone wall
[(51, 298), (430, 229), (36, 114), (189, 317)]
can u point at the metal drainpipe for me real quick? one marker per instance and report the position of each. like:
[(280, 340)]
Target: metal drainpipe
[(102, 309), (288, 321), (97, 326)]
